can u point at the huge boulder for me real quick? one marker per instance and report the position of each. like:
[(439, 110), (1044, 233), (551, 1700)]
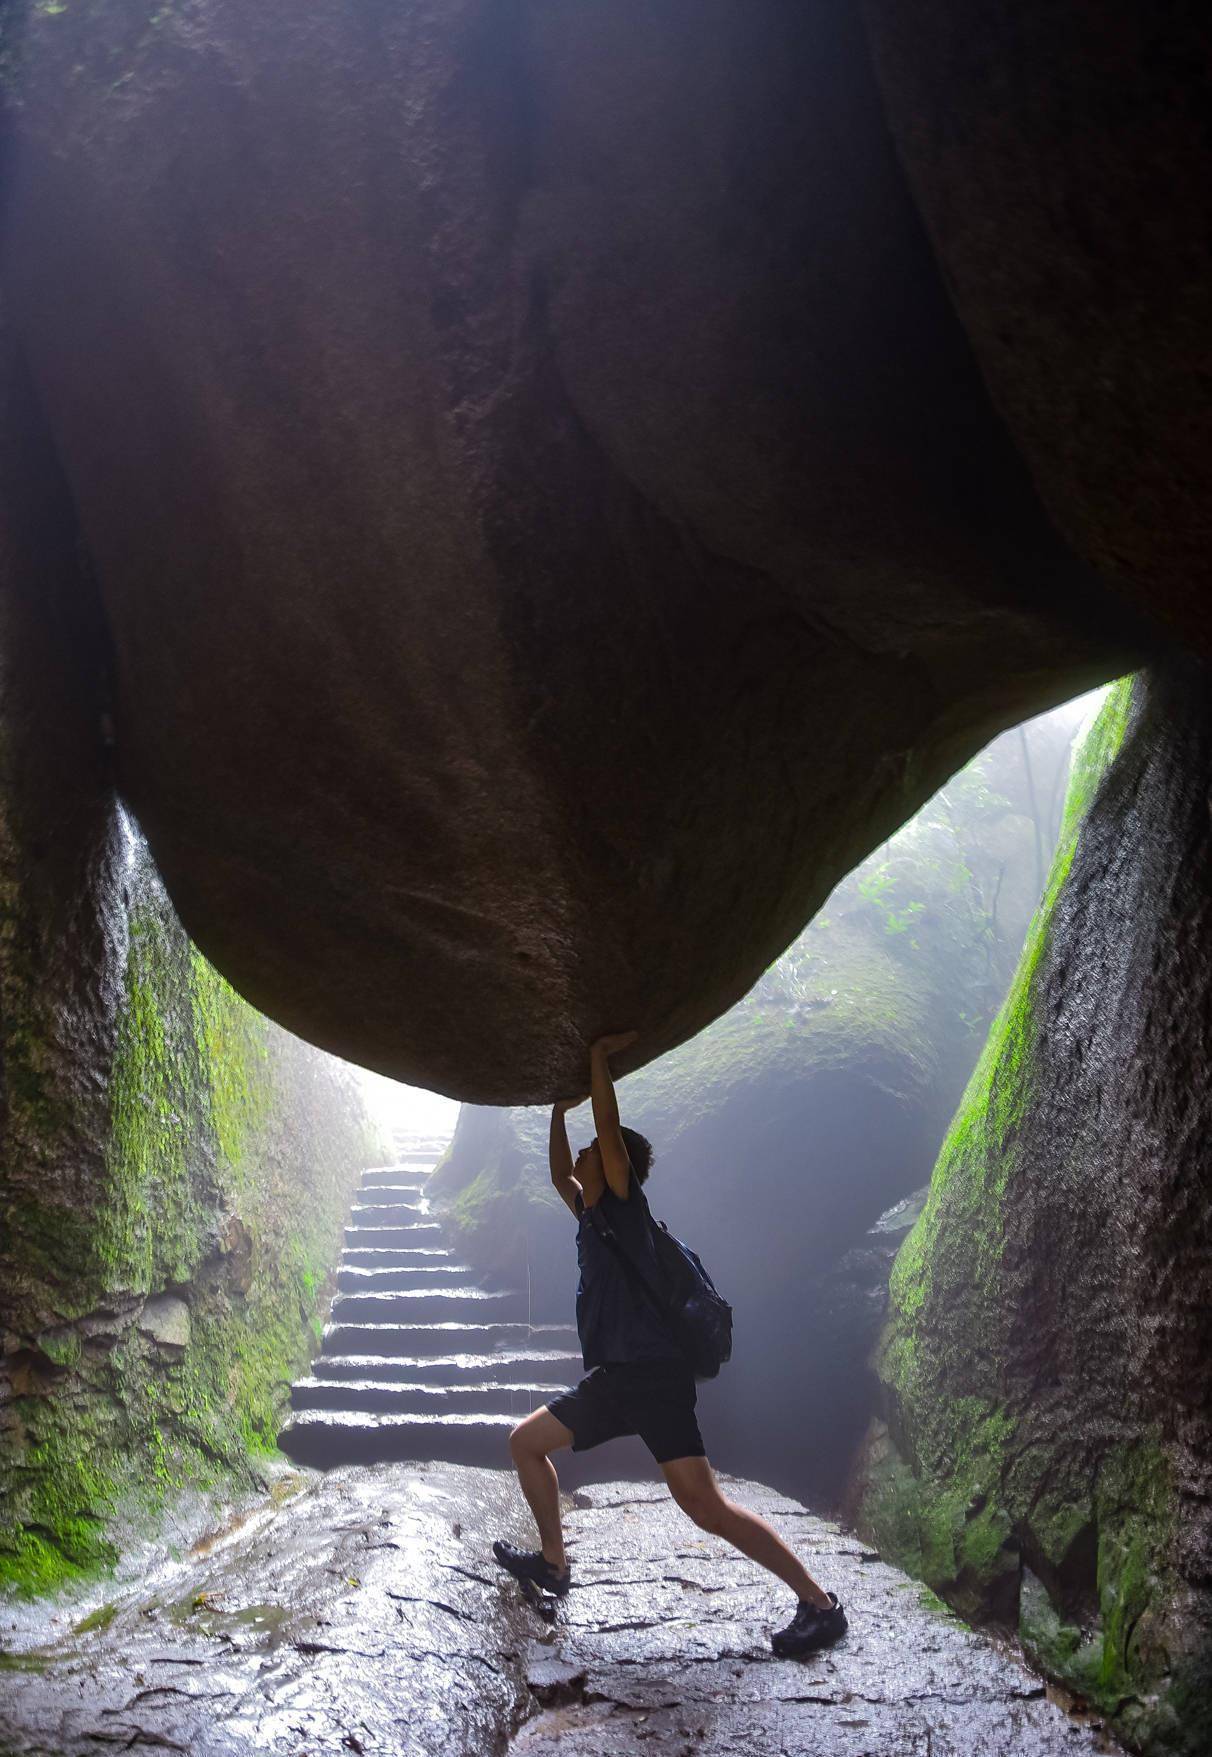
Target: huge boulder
[(548, 517), (787, 1128), (1045, 1456)]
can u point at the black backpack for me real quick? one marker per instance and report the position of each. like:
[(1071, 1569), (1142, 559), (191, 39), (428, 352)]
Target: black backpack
[(699, 1318)]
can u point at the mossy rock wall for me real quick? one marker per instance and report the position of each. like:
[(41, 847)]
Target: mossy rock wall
[(174, 1170), (1046, 1457), (784, 1130)]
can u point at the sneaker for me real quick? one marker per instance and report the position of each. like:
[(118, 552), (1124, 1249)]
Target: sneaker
[(810, 1628), (532, 1565)]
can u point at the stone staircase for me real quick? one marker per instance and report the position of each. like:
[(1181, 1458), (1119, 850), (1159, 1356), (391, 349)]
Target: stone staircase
[(418, 1360)]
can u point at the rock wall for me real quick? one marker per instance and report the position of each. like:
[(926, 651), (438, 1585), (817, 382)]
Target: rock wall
[(1046, 1460), (174, 1170), (1058, 157), (785, 1130)]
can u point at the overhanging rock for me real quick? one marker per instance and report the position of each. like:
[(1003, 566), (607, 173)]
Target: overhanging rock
[(547, 514)]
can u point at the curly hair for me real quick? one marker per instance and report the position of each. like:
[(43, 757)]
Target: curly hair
[(639, 1151)]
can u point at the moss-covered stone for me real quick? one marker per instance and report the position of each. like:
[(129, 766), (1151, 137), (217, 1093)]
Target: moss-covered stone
[(229, 1157), (174, 1170), (1039, 1462)]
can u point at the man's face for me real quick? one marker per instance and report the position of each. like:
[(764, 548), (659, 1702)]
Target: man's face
[(589, 1159)]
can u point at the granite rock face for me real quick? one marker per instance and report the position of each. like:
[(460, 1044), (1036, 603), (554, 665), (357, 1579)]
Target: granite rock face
[(1046, 1456), (547, 514), (1059, 158), (363, 1612), (174, 1170)]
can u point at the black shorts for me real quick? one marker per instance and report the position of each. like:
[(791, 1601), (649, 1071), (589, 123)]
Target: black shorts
[(654, 1399)]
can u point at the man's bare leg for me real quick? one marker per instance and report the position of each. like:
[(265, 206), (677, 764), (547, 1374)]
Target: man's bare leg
[(529, 1445), (693, 1486)]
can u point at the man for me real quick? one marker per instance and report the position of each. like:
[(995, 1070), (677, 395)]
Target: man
[(638, 1381)]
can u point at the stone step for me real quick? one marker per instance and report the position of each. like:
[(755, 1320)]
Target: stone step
[(391, 1176), (402, 1340), (513, 1397), (500, 1366), (385, 1213), (408, 1257), (400, 1277), (402, 1190), (325, 1439), (418, 1232), (417, 1305)]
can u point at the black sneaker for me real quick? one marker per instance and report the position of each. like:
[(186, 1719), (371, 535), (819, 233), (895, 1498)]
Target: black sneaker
[(810, 1628), (532, 1565)]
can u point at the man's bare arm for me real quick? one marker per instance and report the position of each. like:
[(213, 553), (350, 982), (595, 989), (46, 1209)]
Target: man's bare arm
[(559, 1153), (615, 1164)]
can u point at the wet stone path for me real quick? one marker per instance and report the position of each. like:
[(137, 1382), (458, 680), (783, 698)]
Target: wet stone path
[(360, 1611)]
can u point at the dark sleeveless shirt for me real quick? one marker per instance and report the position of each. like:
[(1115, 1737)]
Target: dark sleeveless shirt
[(615, 1321)]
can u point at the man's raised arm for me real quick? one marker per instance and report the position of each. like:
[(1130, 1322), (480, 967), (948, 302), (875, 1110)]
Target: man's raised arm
[(616, 1166), (559, 1153)]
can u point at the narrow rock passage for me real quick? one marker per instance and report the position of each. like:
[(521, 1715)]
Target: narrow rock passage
[(418, 1360), (359, 1610)]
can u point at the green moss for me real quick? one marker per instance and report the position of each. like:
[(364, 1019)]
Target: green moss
[(151, 1228), (1106, 1657), (226, 1177), (63, 1347), (101, 1618), (946, 1525), (234, 1041), (65, 1498), (975, 1161)]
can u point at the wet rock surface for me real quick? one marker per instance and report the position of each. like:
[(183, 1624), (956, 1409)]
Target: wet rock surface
[(356, 1615), (663, 1647), (358, 1611)]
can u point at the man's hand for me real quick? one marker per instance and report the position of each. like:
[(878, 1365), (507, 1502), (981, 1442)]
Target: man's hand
[(612, 1044), (564, 1105)]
